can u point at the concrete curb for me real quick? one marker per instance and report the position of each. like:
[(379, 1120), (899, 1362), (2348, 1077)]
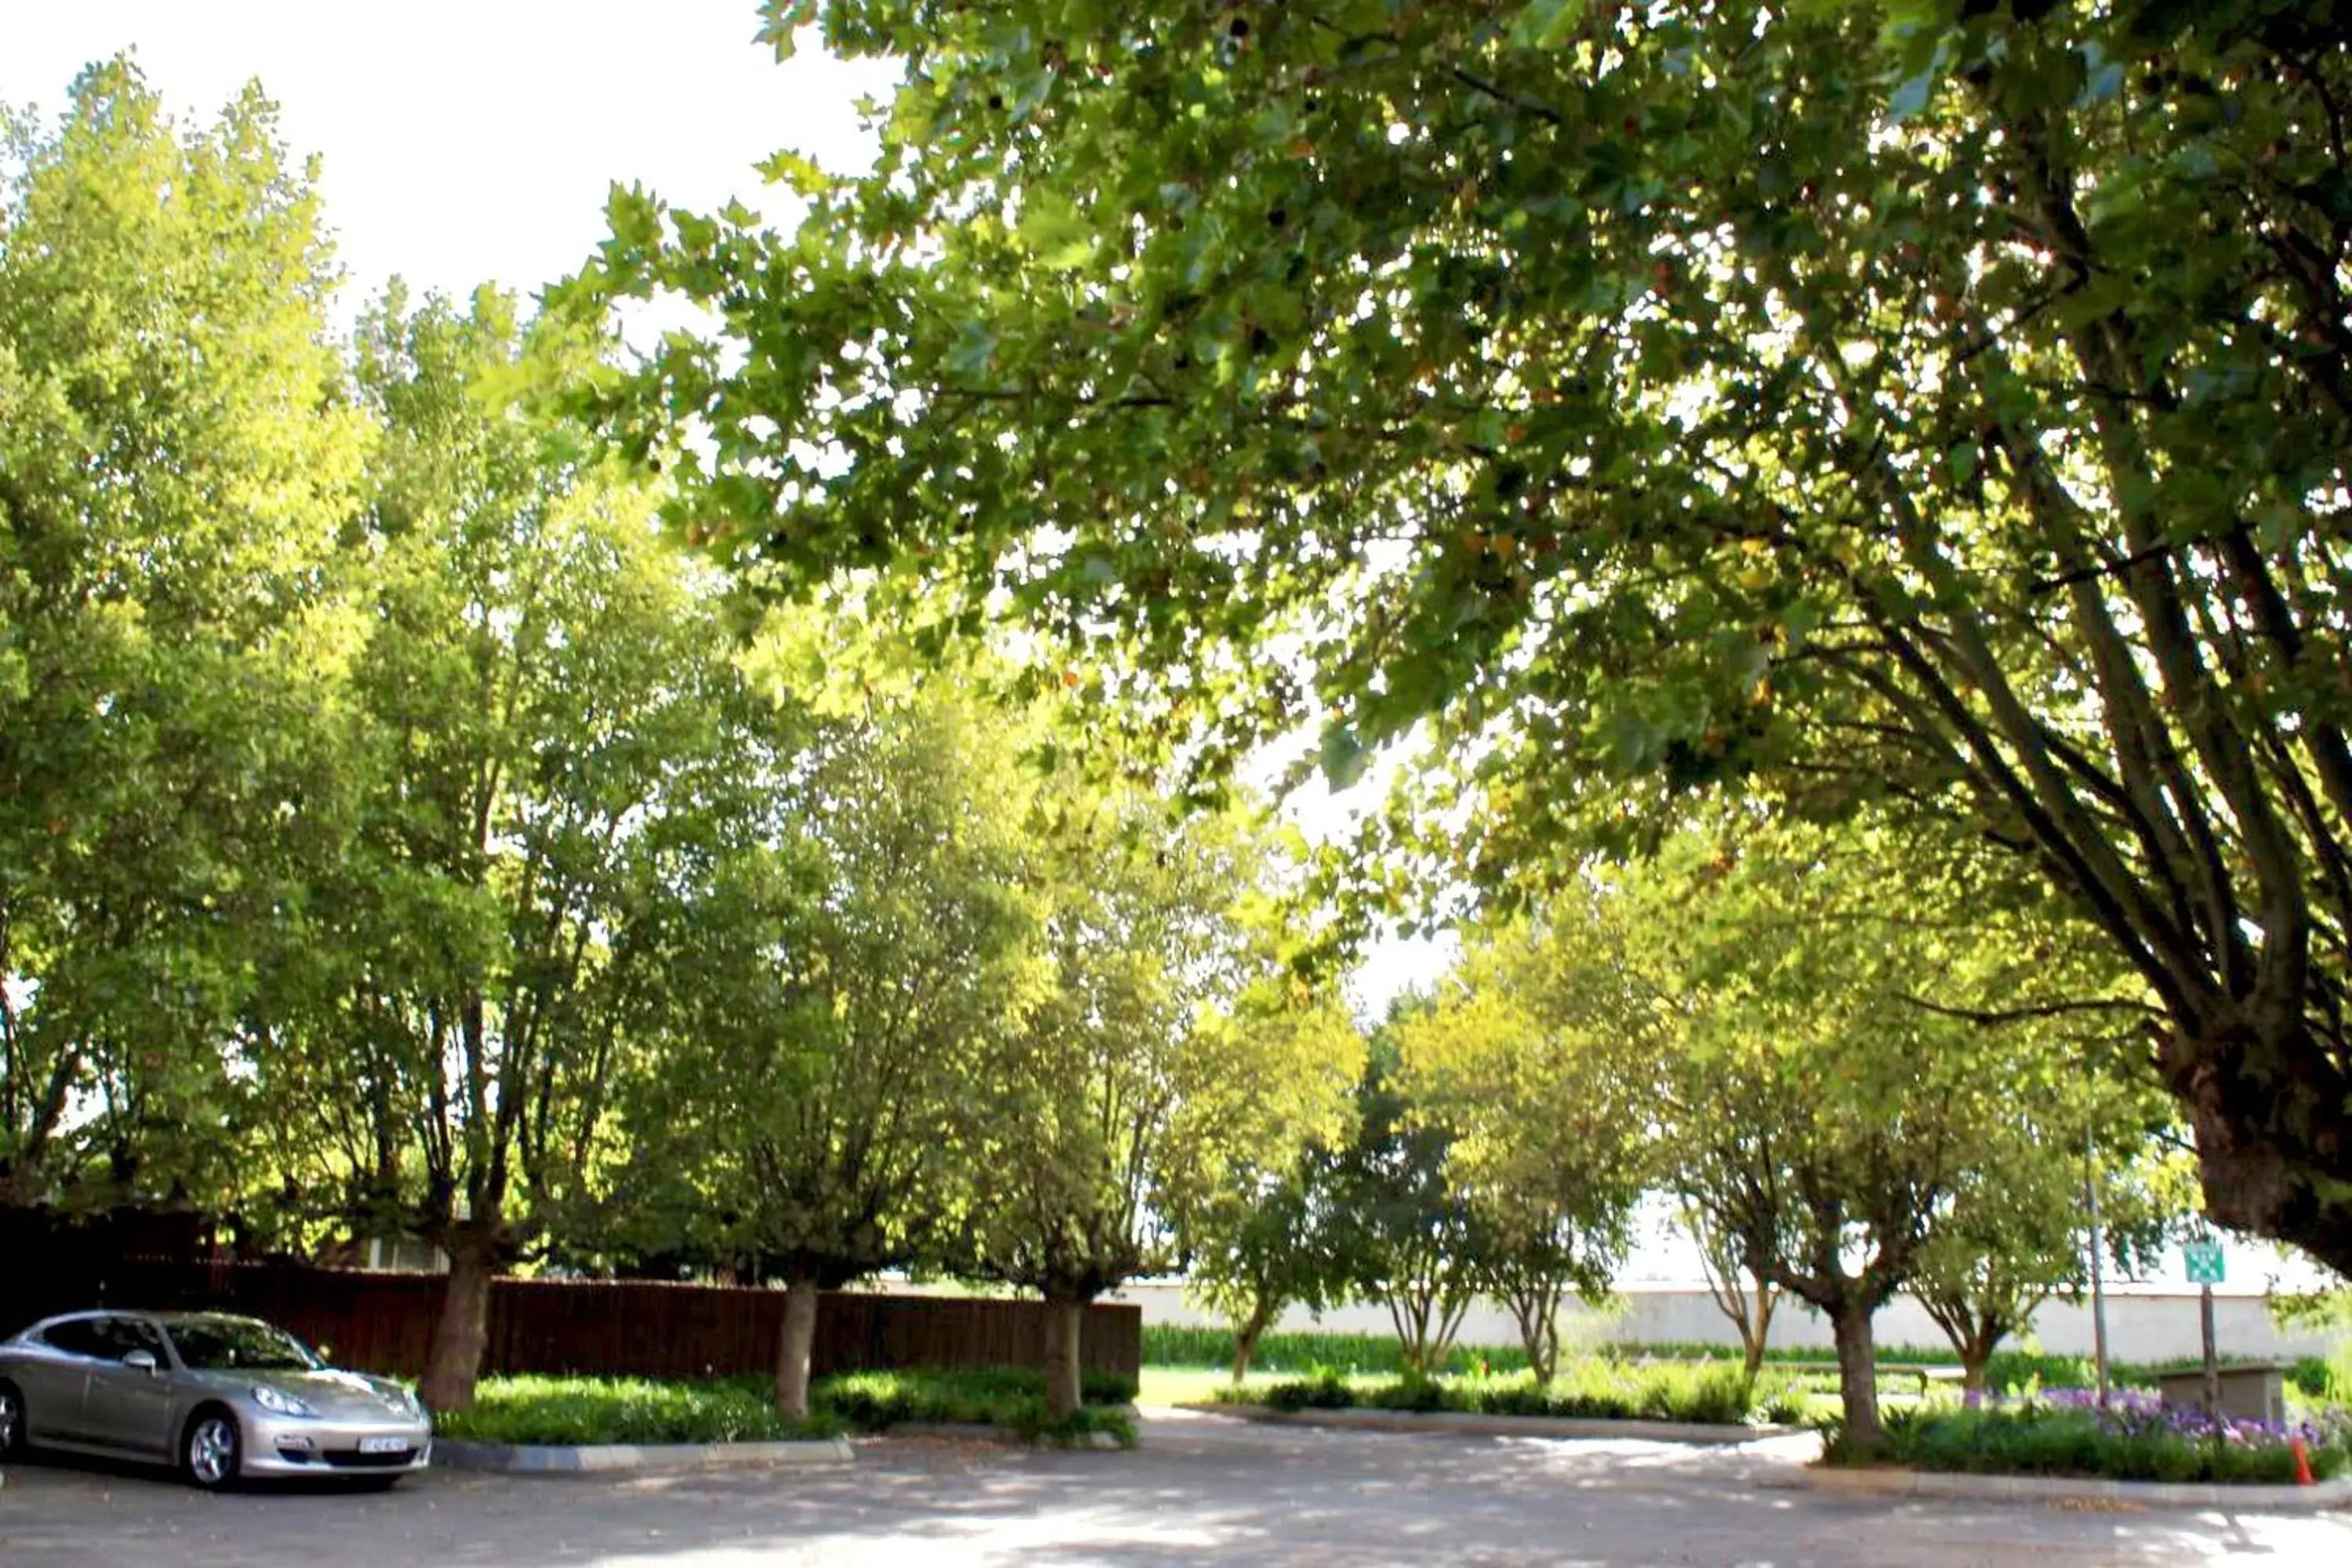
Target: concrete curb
[(2060, 1489), (1455, 1424), (636, 1458)]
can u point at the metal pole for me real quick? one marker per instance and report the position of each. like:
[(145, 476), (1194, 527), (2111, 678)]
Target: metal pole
[(2212, 1360), (2098, 1268)]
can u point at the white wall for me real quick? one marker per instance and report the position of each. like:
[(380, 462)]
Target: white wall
[(2144, 1325)]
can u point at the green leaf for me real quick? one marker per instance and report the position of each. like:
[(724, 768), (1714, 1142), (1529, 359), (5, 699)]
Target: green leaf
[(1053, 231), (1546, 24), (1343, 756)]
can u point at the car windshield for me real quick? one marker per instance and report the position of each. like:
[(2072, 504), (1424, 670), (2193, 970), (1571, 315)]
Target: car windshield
[(223, 1343)]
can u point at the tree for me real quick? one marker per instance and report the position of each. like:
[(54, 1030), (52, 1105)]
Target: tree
[(1551, 1119), (2014, 1235), (1831, 1096), (829, 1001), (542, 690), (1258, 1241), (1125, 1097), (1739, 1293), (1939, 403), (176, 454), (1404, 1232)]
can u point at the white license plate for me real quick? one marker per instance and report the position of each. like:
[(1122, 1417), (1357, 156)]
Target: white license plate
[(383, 1445)]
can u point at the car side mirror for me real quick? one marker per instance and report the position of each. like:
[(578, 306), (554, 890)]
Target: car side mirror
[(144, 1361)]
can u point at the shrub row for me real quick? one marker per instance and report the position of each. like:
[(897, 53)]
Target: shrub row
[(1173, 1346), (2036, 1438), (1716, 1395), (581, 1410)]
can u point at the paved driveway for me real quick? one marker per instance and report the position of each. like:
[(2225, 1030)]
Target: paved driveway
[(1204, 1489)]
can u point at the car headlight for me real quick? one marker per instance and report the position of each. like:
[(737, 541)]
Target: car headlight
[(278, 1401)]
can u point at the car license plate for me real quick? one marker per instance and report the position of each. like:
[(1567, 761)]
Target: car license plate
[(383, 1445)]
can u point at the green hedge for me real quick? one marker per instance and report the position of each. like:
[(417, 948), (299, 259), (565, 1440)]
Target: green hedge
[(2009, 1371), (575, 1410), (1171, 1346), (569, 1410), (2033, 1439), (1716, 1395)]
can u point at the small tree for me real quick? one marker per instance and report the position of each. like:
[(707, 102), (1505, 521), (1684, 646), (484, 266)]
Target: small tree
[(1403, 1232), (1831, 1088), (1260, 1242), (2013, 1236), (1520, 1057), (1126, 1094), (1738, 1292)]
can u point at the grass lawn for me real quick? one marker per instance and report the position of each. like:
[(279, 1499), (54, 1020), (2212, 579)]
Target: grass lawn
[(1166, 1385)]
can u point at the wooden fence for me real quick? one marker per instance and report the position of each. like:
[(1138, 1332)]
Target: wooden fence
[(384, 1323)]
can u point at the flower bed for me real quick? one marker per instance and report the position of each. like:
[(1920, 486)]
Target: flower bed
[(2133, 1437), (1701, 1394)]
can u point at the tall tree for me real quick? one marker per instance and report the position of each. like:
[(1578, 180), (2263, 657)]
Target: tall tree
[(1927, 401), (825, 1005), (176, 454), (541, 690)]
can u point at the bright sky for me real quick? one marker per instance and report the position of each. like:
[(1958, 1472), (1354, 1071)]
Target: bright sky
[(471, 143), (464, 142)]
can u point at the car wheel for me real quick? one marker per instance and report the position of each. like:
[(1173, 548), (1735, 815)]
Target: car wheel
[(210, 1451), (12, 1422)]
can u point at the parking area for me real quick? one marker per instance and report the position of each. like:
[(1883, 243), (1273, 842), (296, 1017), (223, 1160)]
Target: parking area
[(1202, 1490)]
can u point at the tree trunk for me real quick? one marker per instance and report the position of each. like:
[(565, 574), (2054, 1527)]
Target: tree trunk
[(1064, 1384), (794, 1340), (1538, 1316), (2273, 1116), (462, 1332), (1247, 1334), (1973, 1359), (1756, 1332), (1857, 1379)]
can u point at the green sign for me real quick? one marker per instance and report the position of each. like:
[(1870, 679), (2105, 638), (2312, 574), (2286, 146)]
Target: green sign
[(2204, 1260)]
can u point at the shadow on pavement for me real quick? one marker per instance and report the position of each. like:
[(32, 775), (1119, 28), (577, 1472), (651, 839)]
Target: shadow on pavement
[(1204, 1489)]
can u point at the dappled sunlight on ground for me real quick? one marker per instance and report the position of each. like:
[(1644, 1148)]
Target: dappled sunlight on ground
[(1204, 1489)]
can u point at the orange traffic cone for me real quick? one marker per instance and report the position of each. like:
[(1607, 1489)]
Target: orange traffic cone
[(2302, 1464)]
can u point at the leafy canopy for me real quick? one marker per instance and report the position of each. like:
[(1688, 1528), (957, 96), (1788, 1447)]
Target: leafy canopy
[(1935, 402)]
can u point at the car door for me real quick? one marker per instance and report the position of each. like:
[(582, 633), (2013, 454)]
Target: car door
[(124, 1406), (50, 1374)]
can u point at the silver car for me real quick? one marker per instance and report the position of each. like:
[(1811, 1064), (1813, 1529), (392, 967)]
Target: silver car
[(218, 1396)]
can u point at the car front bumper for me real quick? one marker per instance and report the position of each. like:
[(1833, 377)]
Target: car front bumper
[(289, 1445)]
